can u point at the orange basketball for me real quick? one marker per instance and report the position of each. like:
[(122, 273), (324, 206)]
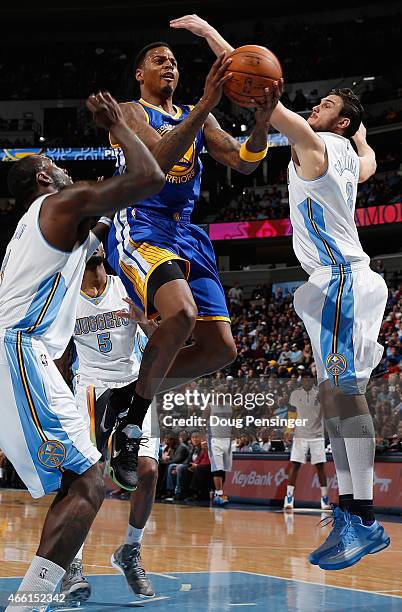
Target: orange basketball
[(254, 68)]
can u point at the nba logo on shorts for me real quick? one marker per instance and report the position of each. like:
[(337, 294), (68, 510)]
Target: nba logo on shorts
[(43, 572), (52, 453), (336, 364)]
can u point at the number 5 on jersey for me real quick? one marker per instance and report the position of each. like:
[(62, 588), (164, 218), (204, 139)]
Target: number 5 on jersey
[(104, 342)]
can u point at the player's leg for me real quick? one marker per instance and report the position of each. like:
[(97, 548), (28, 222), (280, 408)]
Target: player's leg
[(213, 348), (127, 557), (92, 404), (292, 477), (220, 458), (49, 448), (318, 458)]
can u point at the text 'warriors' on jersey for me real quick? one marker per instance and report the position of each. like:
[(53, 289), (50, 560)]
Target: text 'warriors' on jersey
[(322, 210), (182, 188)]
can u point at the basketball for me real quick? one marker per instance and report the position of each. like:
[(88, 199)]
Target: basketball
[(254, 68)]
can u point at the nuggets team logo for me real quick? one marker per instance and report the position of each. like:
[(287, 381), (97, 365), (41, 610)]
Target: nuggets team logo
[(52, 454), (183, 171), (336, 364)]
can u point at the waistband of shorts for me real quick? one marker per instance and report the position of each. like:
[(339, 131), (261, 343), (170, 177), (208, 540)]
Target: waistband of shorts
[(340, 269), (177, 216), (12, 335)]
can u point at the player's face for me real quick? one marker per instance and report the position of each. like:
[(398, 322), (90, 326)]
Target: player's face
[(327, 115), (59, 176), (159, 71)]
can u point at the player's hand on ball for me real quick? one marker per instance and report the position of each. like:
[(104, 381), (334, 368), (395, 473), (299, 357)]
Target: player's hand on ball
[(105, 110), (264, 109), (215, 81), (193, 24)]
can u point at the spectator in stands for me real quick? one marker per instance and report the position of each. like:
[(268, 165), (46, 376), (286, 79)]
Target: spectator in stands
[(235, 295), (174, 453)]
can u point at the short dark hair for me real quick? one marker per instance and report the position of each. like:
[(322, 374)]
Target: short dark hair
[(21, 179), (141, 54), (352, 109)]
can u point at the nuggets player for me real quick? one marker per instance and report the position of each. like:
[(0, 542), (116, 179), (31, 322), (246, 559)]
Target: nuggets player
[(108, 347), (167, 264), (42, 433), (342, 304)]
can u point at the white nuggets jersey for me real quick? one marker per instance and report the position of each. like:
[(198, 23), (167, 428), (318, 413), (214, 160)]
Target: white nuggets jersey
[(40, 285), (322, 210), (108, 347)]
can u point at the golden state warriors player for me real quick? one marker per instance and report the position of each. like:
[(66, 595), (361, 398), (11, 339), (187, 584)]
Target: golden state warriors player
[(166, 263), (41, 432), (342, 305)]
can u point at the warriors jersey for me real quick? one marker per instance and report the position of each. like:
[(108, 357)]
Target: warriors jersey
[(182, 187), (40, 284), (108, 347), (322, 210)]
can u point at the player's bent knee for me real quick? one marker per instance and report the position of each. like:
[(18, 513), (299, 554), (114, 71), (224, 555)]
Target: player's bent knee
[(226, 353), (92, 486), (147, 471), (187, 316)]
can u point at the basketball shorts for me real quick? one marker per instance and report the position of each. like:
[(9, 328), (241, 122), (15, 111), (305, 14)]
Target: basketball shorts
[(140, 241), (220, 454), (41, 432), (342, 308), (91, 403), (302, 447)]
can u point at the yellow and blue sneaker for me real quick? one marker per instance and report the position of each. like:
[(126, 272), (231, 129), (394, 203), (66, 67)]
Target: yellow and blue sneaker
[(339, 521), (356, 541)]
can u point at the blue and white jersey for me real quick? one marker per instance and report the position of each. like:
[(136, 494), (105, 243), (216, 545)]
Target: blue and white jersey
[(40, 285), (322, 210), (108, 347)]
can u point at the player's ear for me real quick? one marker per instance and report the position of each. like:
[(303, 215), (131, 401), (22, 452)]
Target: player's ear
[(44, 179), (343, 123), (139, 76)]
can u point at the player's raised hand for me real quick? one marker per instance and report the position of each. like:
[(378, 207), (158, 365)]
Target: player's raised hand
[(105, 110), (193, 24), (217, 77), (361, 134), (133, 314), (265, 108)]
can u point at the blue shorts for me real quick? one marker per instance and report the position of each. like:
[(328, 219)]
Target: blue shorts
[(140, 241)]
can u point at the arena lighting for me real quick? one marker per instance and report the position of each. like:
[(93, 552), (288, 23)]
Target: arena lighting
[(371, 78), (243, 127)]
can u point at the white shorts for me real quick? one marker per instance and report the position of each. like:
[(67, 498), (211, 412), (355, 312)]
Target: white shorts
[(150, 446), (42, 432), (301, 447), (342, 308), (220, 454)]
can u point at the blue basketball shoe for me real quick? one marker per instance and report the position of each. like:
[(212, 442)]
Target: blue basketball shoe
[(339, 522), (357, 540)]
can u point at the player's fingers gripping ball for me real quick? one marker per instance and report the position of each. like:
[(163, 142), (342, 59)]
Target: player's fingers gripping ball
[(253, 69)]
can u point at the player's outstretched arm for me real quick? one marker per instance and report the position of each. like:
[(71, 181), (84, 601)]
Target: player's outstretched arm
[(309, 147), (63, 212), (173, 146), (202, 28), (246, 157), (368, 163)]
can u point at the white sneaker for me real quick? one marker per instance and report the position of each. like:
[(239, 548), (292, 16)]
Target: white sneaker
[(325, 505), (288, 502)]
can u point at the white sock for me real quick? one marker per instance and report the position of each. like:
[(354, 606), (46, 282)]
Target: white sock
[(134, 535), (42, 576), (324, 491), (80, 553), (218, 491), (290, 490), (358, 433), (339, 456)]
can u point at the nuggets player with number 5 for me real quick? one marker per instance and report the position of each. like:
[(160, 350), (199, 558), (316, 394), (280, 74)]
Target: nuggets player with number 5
[(342, 304), (166, 263)]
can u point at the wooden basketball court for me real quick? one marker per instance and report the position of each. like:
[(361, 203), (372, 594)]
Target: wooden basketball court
[(204, 558)]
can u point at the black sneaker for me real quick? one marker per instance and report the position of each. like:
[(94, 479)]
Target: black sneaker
[(124, 445), (127, 560), (74, 585)]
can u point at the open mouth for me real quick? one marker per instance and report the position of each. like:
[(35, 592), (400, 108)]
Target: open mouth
[(168, 76)]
